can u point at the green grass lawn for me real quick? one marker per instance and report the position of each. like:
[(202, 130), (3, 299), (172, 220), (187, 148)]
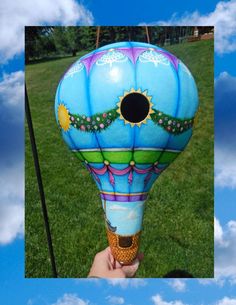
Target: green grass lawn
[(178, 221)]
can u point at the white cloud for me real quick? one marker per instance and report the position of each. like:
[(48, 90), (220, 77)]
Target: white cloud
[(125, 283), (133, 214), (11, 203), (12, 157), (12, 96), (225, 252), (214, 281), (11, 88), (218, 233), (225, 167), (225, 123), (223, 18), (178, 285), (70, 299), (117, 207), (17, 14), (114, 300), (226, 301), (157, 300)]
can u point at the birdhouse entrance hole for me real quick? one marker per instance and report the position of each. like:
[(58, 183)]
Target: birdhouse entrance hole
[(135, 107)]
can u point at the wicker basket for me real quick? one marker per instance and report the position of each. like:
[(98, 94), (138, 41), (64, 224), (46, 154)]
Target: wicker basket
[(123, 248)]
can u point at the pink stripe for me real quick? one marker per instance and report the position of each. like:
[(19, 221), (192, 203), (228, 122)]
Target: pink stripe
[(119, 172), (148, 177), (157, 170), (111, 178), (99, 171), (143, 170), (130, 178)]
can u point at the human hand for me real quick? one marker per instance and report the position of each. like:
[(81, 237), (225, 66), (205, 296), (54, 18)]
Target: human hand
[(105, 266)]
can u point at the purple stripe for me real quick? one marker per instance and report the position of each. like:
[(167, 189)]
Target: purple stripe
[(174, 60), (123, 198), (133, 52), (90, 60)]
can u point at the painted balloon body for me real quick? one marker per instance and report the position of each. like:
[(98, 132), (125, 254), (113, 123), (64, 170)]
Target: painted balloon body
[(126, 110)]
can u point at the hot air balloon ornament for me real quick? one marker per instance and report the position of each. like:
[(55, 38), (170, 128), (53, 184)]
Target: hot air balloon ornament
[(127, 111)]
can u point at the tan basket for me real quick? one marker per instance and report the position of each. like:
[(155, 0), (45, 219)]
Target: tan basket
[(123, 248)]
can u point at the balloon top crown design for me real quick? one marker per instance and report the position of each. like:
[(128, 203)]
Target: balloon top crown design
[(127, 111)]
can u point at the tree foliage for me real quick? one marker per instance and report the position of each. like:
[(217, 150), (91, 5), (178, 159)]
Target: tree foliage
[(44, 42)]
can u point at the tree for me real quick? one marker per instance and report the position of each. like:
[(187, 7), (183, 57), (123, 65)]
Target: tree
[(72, 35), (60, 39), (38, 42), (87, 37)]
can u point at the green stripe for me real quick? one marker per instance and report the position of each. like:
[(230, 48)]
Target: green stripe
[(122, 157), (168, 157), (150, 156)]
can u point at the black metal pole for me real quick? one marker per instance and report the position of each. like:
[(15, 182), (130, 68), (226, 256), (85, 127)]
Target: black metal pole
[(40, 184)]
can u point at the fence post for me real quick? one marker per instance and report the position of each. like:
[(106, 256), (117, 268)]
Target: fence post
[(40, 184)]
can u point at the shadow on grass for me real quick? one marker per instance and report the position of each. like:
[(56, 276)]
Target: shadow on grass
[(177, 273), (50, 58)]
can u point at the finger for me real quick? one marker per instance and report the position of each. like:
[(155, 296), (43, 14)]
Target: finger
[(108, 250), (118, 265), (130, 270), (140, 256), (102, 254)]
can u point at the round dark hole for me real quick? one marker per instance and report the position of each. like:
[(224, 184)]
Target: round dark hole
[(125, 241), (134, 107)]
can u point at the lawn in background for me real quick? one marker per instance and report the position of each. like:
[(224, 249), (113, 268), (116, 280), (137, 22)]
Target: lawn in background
[(178, 220)]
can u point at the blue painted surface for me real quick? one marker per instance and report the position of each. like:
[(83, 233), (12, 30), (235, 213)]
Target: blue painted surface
[(94, 84), (125, 217)]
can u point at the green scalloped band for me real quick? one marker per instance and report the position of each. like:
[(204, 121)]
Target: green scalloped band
[(125, 157), (100, 121), (94, 123), (170, 123)]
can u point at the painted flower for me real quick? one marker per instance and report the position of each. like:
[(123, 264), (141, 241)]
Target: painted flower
[(63, 117)]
